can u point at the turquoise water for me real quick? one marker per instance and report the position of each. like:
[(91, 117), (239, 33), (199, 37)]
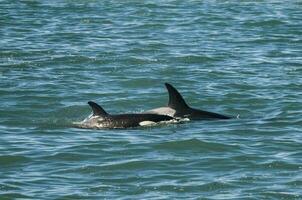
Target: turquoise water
[(235, 58)]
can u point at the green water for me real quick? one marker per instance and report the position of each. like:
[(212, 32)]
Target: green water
[(234, 58)]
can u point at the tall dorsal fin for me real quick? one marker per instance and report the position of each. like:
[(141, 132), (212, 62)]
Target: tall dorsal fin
[(176, 101), (97, 109)]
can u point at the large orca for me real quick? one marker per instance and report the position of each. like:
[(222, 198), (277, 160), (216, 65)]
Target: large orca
[(178, 108), (101, 119)]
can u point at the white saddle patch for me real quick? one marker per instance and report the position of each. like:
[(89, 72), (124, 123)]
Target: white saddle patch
[(162, 111)]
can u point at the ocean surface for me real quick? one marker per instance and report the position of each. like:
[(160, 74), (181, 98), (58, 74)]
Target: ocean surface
[(238, 58)]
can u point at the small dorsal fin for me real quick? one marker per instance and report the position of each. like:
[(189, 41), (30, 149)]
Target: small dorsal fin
[(97, 109), (176, 101)]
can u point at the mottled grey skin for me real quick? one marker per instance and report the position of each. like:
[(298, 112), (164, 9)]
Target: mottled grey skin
[(178, 108), (101, 119)]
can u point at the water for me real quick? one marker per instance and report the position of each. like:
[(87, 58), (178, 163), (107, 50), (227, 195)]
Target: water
[(236, 58)]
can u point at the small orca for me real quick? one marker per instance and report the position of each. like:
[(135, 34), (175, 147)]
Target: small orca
[(101, 119), (178, 108)]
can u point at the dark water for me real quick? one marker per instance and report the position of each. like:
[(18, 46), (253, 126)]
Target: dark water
[(236, 58)]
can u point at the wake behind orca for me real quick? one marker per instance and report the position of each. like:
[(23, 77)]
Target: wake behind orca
[(101, 119), (178, 108)]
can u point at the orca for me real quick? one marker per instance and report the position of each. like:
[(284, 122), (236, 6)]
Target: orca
[(101, 119), (178, 108)]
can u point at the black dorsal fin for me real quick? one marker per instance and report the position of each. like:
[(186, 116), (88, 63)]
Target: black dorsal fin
[(97, 109), (176, 101)]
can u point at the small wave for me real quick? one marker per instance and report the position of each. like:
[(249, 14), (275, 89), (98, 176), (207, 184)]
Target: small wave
[(195, 144), (265, 23), (8, 160), (194, 59), (276, 164)]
